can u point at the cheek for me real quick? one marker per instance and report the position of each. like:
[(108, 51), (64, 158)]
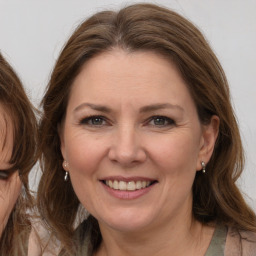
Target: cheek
[(9, 192), (83, 155), (83, 158), (17, 188), (175, 159), (176, 154)]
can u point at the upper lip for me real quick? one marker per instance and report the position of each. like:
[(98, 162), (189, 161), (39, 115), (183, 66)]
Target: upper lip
[(127, 179)]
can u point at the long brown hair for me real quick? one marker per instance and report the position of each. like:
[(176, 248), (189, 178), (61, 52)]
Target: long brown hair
[(146, 27), (18, 107)]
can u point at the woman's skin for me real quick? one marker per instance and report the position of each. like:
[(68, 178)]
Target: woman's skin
[(131, 120), (9, 192), (9, 188)]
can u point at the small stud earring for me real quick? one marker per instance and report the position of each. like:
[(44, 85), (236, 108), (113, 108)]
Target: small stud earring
[(203, 166), (65, 165), (66, 176)]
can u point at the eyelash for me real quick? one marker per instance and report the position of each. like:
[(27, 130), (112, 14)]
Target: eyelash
[(90, 119), (169, 121), (87, 120), (5, 174)]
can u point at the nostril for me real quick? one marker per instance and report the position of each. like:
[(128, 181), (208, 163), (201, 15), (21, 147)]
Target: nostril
[(126, 157)]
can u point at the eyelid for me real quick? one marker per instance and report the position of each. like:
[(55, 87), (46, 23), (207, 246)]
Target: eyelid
[(168, 119), (85, 120), (6, 174)]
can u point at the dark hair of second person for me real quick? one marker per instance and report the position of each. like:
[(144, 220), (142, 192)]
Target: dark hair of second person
[(21, 124)]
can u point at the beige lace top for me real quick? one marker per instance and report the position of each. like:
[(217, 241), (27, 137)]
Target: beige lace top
[(227, 242)]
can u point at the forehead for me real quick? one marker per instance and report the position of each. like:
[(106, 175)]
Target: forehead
[(119, 64), (129, 77)]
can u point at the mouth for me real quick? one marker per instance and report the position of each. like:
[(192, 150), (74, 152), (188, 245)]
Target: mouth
[(128, 185)]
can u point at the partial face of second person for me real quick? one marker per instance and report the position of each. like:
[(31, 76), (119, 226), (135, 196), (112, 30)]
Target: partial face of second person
[(10, 188), (133, 141)]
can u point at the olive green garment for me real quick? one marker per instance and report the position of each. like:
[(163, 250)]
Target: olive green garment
[(83, 235), (218, 242)]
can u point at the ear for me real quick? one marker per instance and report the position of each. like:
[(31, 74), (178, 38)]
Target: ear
[(209, 136)]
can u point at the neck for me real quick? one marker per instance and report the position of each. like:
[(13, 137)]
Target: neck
[(179, 238)]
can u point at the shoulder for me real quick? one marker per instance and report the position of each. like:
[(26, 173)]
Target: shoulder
[(82, 240), (240, 243), (248, 243), (41, 243)]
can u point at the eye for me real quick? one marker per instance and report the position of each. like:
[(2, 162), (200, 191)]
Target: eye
[(5, 174), (93, 121), (161, 121)]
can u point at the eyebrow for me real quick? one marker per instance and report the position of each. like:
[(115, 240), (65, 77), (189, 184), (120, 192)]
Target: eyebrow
[(154, 107), (100, 108), (144, 109)]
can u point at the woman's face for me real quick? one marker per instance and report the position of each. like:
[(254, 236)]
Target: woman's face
[(10, 188), (133, 141)]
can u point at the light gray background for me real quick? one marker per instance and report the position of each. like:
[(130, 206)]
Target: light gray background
[(32, 32)]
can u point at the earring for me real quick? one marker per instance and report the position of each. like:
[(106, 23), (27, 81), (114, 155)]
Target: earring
[(65, 167), (203, 166), (66, 176)]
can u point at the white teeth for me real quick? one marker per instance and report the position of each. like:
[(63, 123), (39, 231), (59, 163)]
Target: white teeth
[(129, 186), (138, 185), (122, 185), (115, 185)]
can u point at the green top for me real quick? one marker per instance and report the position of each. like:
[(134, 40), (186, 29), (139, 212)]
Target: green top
[(83, 234), (218, 242)]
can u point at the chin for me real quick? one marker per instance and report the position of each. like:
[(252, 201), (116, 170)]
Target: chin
[(127, 222)]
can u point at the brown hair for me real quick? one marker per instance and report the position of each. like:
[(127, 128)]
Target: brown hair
[(147, 27), (18, 107)]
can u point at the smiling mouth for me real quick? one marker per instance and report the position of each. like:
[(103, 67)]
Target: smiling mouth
[(129, 185)]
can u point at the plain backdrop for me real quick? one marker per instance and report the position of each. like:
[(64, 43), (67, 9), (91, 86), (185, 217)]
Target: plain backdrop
[(32, 33)]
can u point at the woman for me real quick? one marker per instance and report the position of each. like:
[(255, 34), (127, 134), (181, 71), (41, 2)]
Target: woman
[(17, 156), (138, 128)]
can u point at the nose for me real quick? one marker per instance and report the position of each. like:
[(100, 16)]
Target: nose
[(126, 147)]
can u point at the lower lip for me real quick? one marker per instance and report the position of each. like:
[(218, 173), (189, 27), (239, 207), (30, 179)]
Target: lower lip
[(127, 195)]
